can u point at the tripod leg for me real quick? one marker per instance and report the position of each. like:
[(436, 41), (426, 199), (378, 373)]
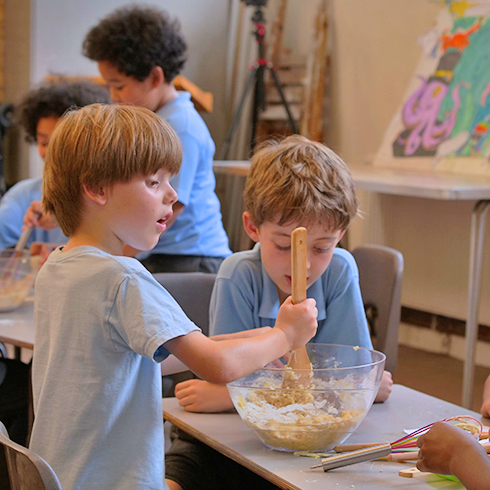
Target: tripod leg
[(259, 102), (238, 113), (277, 83)]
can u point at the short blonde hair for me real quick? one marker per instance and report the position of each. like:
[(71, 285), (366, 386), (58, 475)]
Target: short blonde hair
[(296, 179), (101, 145)]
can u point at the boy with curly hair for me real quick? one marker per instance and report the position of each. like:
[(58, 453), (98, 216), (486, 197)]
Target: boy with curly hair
[(139, 51), (103, 323), (39, 112)]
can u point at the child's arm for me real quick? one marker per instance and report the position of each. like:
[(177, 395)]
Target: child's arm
[(485, 408), (384, 388), (172, 365), (229, 360), (449, 450)]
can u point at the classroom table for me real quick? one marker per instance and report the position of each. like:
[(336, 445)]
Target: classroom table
[(17, 326), (385, 422), (428, 185)]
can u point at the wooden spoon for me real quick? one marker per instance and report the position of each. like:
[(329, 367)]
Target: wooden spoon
[(299, 358)]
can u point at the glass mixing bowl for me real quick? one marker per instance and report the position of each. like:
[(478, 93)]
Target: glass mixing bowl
[(344, 381), (17, 274)]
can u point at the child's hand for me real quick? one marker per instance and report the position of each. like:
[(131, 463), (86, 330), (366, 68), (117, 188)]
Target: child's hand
[(196, 395), (298, 322), (384, 388), (445, 447), (43, 250), (35, 218)]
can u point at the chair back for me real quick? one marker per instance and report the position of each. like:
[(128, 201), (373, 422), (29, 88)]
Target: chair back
[(380, 277), (192, 290), (22, 469)]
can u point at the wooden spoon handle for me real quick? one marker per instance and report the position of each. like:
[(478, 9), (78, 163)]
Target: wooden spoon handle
[(299, 357), (298, 265)]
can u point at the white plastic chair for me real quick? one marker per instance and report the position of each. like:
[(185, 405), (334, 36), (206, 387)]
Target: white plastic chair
[(22, 469)]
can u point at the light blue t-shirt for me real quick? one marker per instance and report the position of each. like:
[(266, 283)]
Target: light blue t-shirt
[(245, 297), (13, 206), (199, 229), (100, 325)]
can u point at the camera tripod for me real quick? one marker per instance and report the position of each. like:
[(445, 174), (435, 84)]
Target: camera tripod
[(257, 75)]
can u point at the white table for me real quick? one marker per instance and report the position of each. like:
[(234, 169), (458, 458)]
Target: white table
[(405, 409), (17, 327), (428, 185)]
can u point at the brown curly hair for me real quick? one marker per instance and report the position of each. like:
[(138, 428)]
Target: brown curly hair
[(135, 40), (54, 99)]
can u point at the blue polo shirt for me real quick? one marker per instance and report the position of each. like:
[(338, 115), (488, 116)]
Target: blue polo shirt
[(13, 206), (245, 297), (199, 229)]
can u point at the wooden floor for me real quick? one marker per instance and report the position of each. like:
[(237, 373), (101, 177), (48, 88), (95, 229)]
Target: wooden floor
[(437, 375)]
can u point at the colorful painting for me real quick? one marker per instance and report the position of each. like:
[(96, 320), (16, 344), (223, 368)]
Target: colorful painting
[(446, 113)]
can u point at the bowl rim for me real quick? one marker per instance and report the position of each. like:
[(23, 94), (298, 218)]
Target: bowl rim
[(355, 347)]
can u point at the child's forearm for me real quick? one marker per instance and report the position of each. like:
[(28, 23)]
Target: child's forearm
[(172, 365), (472, 467), (228, 360), (244, 334)]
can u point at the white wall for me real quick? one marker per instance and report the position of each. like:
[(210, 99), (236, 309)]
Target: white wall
[(58, 28), (374, 53)]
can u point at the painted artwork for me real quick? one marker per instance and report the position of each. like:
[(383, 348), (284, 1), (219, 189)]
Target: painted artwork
[(445, 118)]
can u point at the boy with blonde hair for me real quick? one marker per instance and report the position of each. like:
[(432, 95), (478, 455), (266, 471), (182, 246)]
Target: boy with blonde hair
[(293, 182), (103, 322)]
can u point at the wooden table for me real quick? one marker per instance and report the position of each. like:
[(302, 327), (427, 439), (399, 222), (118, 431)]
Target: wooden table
[(405, 409), (17, 327), (428, 185)]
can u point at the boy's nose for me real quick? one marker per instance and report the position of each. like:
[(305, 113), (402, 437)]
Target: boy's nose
[(171, 196)]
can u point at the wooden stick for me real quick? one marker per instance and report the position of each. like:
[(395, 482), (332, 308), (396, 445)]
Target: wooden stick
[(406, 456), (299, 358)]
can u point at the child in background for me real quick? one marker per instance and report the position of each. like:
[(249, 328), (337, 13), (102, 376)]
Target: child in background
[(103, 322), (39, 113), (449, 450), (295, 182), (139, 51)]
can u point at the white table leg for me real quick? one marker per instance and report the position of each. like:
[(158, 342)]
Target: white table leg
[(478, 220)]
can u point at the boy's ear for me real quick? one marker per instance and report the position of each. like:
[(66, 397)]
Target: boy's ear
[(342, 233), (97, 194), (157, 77), (250, 227)]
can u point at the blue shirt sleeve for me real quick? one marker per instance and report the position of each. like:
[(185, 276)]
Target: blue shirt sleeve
[(184, 180), (12, 209), (145, 316)]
